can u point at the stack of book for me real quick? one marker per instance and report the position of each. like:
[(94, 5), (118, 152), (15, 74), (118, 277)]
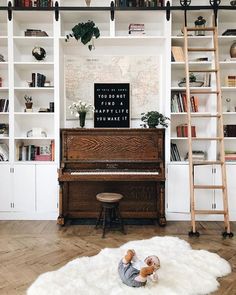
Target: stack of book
[(35, 33), (38, 80), (36, 153), (136, 29), (179, 103), (197, 156), (4, 105), (230, 81), (229, 130), (174, 155), (182, 130), (230, 155), (32, 3)]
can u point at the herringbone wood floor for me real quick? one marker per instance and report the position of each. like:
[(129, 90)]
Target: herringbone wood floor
[(29, 248)]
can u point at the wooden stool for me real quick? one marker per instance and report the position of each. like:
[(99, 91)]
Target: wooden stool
[(110, 213)]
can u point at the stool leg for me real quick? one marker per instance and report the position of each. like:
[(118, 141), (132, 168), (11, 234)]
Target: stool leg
[(104, 222), (99, 218), (120, 219)]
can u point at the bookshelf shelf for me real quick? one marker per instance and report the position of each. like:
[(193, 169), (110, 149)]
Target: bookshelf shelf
[(37, 89), (34, 138), (34, 114), (4, 88)]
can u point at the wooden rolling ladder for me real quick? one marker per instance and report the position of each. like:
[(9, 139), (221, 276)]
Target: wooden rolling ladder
[(219, 137)]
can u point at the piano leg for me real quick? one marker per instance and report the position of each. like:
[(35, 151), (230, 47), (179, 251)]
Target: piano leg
[(60, 219), (162, 217)]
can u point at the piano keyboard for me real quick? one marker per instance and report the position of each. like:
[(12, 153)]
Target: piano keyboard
[(114, 173)]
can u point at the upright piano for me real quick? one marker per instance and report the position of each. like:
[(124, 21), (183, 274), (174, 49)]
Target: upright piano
[(126, 161)]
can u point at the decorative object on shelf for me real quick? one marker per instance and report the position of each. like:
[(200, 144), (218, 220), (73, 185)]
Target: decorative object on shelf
[(4, 152), (86, 32), (36, 132), (233, 3), (88, 2), (228, 100), (28, 103), (153, 119), (0, 81), (200, 24), (80, 109), (233, 50), (192, 81), (2, 59), (39, 53), (4, 129)]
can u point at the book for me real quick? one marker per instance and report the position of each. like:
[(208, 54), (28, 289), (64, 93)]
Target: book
[(182, 130), (230, 130), (177, 53)]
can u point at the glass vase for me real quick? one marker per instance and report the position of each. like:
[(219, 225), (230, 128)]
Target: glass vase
[(82, 116)]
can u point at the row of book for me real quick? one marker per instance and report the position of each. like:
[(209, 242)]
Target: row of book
[(182, 130), (36, 153), (38, 80), (4, 105), (230, 81), (229, 130), (32, 3), (139, 3), (174, 152), (35, 33), (179, 103), (136, 29)]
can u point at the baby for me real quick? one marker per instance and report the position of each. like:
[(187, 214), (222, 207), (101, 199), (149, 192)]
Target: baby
[(135, 273)]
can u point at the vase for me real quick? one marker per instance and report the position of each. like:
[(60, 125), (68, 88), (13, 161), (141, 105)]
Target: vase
[(88, 2), (82, 116), (233, 50)]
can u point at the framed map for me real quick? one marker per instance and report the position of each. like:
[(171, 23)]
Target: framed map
[(141, 72)]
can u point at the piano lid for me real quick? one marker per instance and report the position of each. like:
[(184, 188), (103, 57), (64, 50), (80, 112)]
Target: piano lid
[(105, 144)]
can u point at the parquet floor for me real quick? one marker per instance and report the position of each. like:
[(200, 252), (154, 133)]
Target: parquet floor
[(29, 248)]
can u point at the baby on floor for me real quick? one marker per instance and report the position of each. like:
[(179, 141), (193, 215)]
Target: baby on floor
[(134, 272)]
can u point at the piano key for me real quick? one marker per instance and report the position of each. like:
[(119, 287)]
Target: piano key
[(115, 173)]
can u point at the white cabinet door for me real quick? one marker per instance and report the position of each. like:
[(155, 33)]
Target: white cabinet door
[(178, 189), (24, 188), (46, 188), (5, 188), (203, 175), (231, 181)]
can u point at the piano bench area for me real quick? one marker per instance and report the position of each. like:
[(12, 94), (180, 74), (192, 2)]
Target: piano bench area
[(109, 216)]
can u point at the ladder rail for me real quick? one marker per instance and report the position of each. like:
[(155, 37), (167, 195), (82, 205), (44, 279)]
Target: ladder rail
[(192, 198)]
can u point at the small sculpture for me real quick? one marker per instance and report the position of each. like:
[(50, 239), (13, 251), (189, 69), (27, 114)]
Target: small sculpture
[(39, 53)]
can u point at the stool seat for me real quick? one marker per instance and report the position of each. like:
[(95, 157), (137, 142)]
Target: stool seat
[(109, 197)]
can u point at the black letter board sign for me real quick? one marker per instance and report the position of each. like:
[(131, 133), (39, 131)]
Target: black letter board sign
[(111, 101)]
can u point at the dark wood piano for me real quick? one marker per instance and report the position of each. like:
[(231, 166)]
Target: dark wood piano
[(126, 161)]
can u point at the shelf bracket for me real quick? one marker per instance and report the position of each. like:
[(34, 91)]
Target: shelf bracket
[(168, 10), (215, 5), (9, 10), (112, 11), (56, 11)]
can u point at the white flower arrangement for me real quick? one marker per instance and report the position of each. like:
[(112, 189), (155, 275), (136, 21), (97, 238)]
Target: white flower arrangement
[(80, 107)]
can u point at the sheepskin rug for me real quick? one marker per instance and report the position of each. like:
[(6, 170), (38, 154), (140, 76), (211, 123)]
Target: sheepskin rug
[(183, 271)]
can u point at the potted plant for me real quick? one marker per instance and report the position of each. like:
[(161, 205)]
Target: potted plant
[(153, 119), (85, 32), (28, 102)]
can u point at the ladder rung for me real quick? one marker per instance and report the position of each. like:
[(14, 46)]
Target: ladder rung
[(208, 187), (207, 163), (207, 138), (205, 115), (202, 29), (201, 49), (203, 92), (210, 212), (203, 71)]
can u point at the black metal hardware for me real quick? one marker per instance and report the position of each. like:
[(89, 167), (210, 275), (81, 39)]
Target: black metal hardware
[(168, 10), (185, 4), (9, 10), (112, 10), (56, 11), (215, 5)]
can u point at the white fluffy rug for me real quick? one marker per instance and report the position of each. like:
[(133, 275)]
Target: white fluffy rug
[(183, 271)]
